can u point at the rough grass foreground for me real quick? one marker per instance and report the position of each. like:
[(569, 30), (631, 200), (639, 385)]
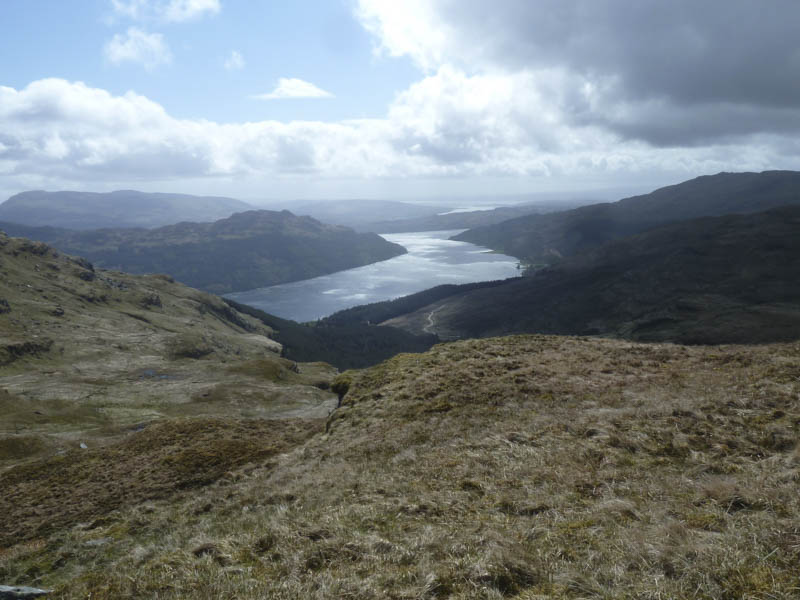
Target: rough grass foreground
[(524, 467)]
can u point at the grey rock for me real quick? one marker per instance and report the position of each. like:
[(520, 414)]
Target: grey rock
[(99, 541), (14, 591)]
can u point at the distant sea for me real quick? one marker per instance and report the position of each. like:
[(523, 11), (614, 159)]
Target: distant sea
[(432, 260)]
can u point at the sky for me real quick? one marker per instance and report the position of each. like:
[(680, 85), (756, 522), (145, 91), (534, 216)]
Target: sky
[(316, 99)]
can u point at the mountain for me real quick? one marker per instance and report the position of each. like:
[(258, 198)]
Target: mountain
[(123, 208), (244, 251), (543, 239), (358, 213), (730, 279), (465, 219)]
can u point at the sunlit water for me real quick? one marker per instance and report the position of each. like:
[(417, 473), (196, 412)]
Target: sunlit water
[(432, 260)]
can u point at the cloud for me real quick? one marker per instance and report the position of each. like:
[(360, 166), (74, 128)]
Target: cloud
[(294, 88), (174, 11), (132, 9), (69, 130), (56, 132), (235, 62), (137, 46), (549, 91), (186, 10), (665, 73)]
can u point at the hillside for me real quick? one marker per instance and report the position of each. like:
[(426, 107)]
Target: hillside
[(544, 239), (358, 214), (87, 354), (349, 344), (123, 208), (466, 219), (379, 312), (524, 467), (730, 279), (245, 251)]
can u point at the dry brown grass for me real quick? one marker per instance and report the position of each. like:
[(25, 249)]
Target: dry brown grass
[(524, 467), (162, 459)]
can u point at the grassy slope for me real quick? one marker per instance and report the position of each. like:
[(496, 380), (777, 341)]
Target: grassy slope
[(520, 467), (86, 354)]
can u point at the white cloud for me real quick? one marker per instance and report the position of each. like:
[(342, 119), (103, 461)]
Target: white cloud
[(411, 27), (137, 46), (62, 134), (545, 91), (186, 10), (165, 10), (669, 74), (235, 61), (294, 88)]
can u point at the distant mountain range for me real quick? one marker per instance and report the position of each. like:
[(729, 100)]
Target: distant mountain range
[(361, 214), (729, 279), (123, 208), (389, 216), (466, 219), (545, 238), (244, 251)]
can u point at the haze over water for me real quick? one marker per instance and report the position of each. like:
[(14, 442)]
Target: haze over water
[(432, 260)]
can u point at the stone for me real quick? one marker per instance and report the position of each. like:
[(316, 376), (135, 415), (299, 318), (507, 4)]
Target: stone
[(15, 592)]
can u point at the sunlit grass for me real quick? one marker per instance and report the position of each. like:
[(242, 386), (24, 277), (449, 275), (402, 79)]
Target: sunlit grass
[(523, 467)]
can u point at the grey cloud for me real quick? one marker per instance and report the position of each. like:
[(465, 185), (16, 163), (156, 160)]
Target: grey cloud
[(294, 155), (667, 124), (733, 56)]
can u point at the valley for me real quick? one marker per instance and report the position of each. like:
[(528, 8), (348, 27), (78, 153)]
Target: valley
[(431, 259), (622, 422), (701, 281), (373, 300)]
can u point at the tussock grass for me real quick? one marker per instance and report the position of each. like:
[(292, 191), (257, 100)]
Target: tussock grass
[(158, 461), (524, 467), (271, 368)]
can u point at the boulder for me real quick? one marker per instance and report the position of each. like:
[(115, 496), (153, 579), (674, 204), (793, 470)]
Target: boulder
[(14, 591)]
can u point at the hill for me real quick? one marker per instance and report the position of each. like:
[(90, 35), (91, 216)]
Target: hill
[(358, 214), (379, 312), (543, 239), (349, 344), (123, 208), (465, 219), (713, 280), (524, 467), (245, 251), (87, 354)]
